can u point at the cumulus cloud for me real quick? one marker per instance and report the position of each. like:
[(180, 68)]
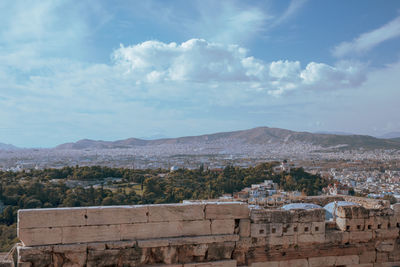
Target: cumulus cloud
[(369, 40), (199, 61)]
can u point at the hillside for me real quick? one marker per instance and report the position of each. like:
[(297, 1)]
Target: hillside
[(7, 147), (260, 135)]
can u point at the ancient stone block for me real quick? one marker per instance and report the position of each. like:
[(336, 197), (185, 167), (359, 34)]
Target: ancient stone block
[(194, 228), (176, 212), (94, 233), (347, 260), (226, 263), (178, 241), (317, 227), (360, 236), (42, 218), (303, 228), (220, 251), (290, 229), (294, 263), (260, 216), (387, 234), (382, 257), (385, 245), (313, 215), (265, 264), (40, 236), (368, 256), (37, 256), (153, 243), (227, 211), (284, 241), (150, 230), (244, 227), (165, 229), (259, 229), (322, 261), (221, 227), (275, 229), (311, 239), (116, 215)]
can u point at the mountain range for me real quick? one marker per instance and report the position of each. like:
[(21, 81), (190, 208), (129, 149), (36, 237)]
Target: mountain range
[(7, 147), (255, 136), (260, 135)]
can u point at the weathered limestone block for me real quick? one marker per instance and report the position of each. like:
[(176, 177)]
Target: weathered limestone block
[(303, 228), (293, 263), (385, 245), (313, 215), (227, 211), (244, 227), (337, 237), (260, 216), (226, 263), (290, 229), (368, 256), (40, 236), (317, 227), (387, 264), (396, 208), (220, 251), (352, 212), (70, 255), (167, 255), (282, 216), (311, 239), (93, 233), (259, 229), (116, 215), (176, 212), (360, 236), (333, 261), (284, 241), (194, 228), (382, 257), (36, 256), (165, 265), (392, 233), (121, 244), (361, 265), (346, 224), (43, 218), (165, 229), (178, 241), (275, 229), (221, 227), (265, 264)]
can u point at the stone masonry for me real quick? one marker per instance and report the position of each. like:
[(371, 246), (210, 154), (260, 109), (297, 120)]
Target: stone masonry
[(210, 234)]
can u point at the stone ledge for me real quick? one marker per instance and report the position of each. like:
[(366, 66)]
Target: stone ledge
[(177, 241)]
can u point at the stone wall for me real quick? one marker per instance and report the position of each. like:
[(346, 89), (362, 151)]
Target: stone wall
[(208, 234)]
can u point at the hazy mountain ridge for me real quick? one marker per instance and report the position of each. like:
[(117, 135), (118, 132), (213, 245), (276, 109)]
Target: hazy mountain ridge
[(260, 135), (7, 147)]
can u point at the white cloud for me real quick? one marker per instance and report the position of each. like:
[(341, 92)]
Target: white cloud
[(369, 40), (199, 61)]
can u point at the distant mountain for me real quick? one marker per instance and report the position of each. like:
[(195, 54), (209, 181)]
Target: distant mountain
[(7, 147), (390, 135), (334, 132), (260, 135)]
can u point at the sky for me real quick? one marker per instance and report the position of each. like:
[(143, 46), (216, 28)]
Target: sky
[(110, 70)]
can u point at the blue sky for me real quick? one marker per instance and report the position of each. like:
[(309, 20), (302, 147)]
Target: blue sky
[(117, 69)]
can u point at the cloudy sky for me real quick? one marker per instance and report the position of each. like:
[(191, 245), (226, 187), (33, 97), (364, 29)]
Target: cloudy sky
[(116, 69)]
